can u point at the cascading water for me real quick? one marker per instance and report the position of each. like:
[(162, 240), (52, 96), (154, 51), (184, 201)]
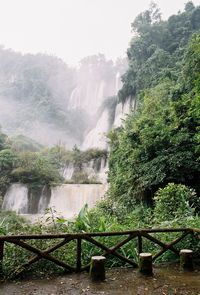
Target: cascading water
[(44, 200), (68, 171), (90, 94), (95, 169), (118, 82), (67, 199), (96, 138), (102, 173), (16, 199), (122, 110)]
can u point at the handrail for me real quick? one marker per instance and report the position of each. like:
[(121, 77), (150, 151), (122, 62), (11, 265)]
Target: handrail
[(138, 235), (96, 234)]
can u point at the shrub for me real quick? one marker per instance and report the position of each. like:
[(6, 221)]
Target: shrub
[(172, 202)]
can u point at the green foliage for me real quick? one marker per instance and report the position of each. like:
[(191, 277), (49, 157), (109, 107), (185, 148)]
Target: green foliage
[(171, 206), (58, 155), (23, 160), (82, 222), (156, 51), (8, 160), (21, 143), (160, 141), (172, 202), (35, 168), (3, 140), (155, 156)]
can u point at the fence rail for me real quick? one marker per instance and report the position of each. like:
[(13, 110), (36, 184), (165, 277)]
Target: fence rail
[(125, 237)]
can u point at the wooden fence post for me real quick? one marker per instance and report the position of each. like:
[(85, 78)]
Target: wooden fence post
[(97, 268), (145, 263), (186, 259)]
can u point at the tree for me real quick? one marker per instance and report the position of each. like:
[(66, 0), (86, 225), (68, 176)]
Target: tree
[(156, 51), (160, 142), (145, 19)]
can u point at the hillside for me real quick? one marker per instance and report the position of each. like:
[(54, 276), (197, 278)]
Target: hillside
[(160, 141)]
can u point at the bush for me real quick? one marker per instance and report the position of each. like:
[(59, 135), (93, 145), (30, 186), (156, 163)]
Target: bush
[(172, 202)]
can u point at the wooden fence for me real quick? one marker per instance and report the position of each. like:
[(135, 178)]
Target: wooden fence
[(92, 238)]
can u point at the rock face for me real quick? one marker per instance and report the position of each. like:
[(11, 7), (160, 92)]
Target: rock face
[(67, 199)]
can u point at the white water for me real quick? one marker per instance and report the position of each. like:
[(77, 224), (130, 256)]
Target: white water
[(16, 199), (122, 110), (118, 83), (43, 202), (68, 171), (93, 169), (102, 173), (67, 199), (88, 96), (96, 138)]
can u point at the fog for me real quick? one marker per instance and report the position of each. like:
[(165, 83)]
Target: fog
[(73, 29), (47, 100), (60, 77)]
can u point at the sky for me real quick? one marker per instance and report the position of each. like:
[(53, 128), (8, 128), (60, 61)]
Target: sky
[(73, 29)]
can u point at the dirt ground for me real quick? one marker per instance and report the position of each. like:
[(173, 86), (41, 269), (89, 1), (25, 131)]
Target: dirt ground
[(165, 281)]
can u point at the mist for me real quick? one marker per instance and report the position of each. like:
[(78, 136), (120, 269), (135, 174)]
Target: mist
[(45, 99)]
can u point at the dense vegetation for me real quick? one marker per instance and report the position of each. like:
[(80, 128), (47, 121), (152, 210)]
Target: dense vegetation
[(98, 220), (159, 143), (154, 158), (156, 51), (24, 160)]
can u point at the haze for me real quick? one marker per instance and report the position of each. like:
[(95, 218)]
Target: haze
[(73, 29)]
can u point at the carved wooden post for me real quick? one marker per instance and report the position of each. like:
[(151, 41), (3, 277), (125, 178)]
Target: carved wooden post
[(97, 268), (1, 258), (186, 259), (145, 263)]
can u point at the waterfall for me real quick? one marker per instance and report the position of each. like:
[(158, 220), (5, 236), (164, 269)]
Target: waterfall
[(68, 171), (44, 199), (96, 138), (88, 97), (102, 173), (122, 110), (95, 169), (16, 199), (118, 83), (66, 199)]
